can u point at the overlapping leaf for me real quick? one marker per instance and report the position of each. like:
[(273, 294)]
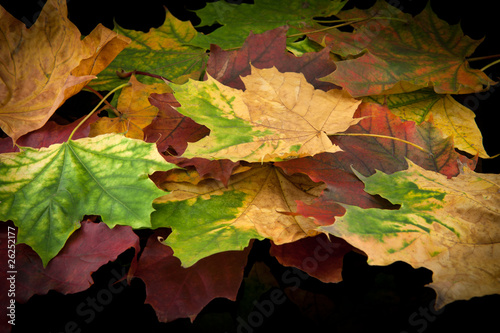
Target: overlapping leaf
[(449, 226), (268, 50), (49, 134), (46, 192), (170, 129), (220, 170), (46, 64), (239, 20), (166, 51), (87, 249), (403, 53), (135, 111), (209, 218), (452, 118), (278, 116), (367, 154), (416, 204), (318, 256), (178, 292)]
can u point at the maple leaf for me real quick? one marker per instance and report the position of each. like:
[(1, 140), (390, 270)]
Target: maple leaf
[(318, 256), (166, 51), (46, 192), (209, 218), (135, 111), (44, 65), (402, 53), (170, 129), (107, 45), (70, 271), (449, 226), (452, 118), (278, 116), (268, 50), (368, 154), (177, 292), (238, 20)]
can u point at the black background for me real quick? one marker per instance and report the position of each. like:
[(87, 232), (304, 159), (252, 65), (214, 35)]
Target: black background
[(389, 299)]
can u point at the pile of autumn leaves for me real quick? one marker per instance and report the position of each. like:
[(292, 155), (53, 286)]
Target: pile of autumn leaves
[(256, 148)]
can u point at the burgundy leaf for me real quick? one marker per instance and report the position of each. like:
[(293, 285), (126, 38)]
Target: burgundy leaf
[(178, 292), (87, 249)]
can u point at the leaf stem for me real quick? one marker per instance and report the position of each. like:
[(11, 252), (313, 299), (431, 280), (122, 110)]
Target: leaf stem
[(347, 22), (484, 57), (122, 74), (115, 111), (387, 137), (97, 106), (490, 64), (335, 21)]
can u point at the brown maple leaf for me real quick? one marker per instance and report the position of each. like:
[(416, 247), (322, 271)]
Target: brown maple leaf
[(46, 64)]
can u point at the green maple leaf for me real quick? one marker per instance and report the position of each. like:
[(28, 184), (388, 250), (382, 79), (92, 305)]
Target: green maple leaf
[(166, 51), (238, 20), (46, 192)]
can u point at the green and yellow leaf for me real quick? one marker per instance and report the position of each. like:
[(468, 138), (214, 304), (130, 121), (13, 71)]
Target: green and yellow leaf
[(450, 226), (278, 116), (47, 192), (166, 51), (209, 218)]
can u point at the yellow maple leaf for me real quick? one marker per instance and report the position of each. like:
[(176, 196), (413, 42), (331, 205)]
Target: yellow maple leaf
[(46, 64), (135, 111)]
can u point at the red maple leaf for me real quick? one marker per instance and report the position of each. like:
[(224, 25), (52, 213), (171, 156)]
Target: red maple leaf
[(51, 133), (170, 129), (178, 292), (318, 256), (268, 50), (87, 249)]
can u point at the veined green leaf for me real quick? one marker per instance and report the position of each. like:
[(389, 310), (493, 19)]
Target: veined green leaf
[(165, 51), (238, 20), (46, 192)]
